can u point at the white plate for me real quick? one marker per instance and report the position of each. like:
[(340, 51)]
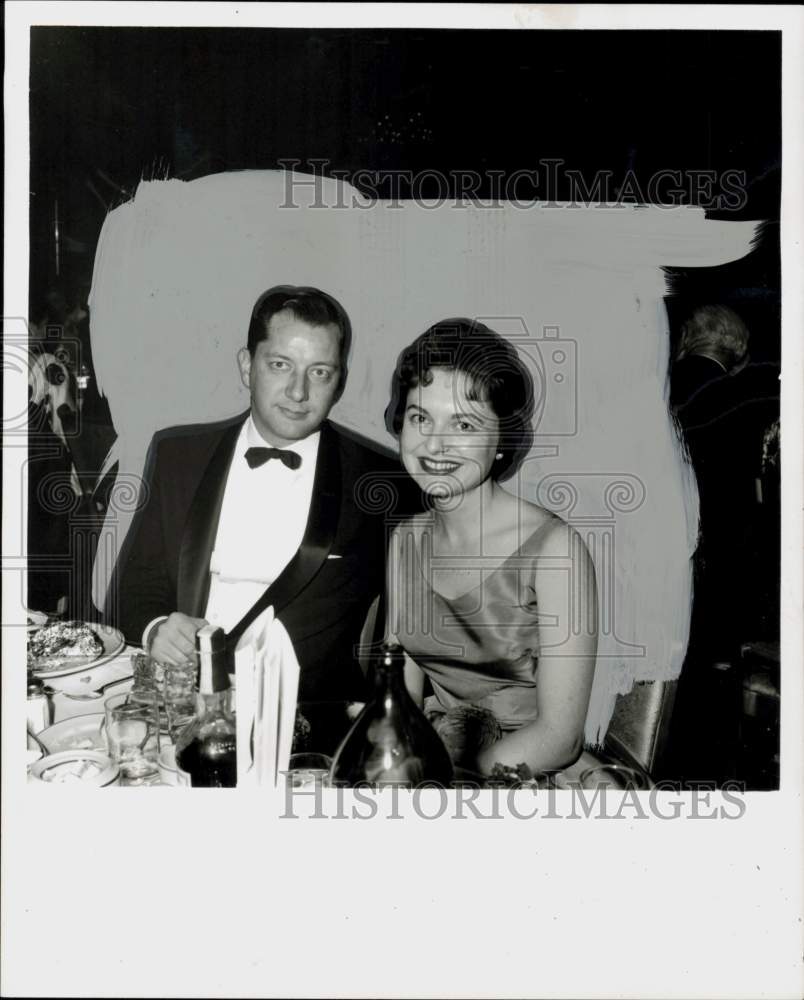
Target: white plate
[(105, 771), (80, 732), (113, 643)]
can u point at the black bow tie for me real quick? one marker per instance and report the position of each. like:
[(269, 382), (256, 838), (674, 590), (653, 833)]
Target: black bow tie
[(259, 456)]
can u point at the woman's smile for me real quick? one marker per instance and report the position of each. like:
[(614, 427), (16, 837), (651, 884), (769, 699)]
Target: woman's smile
[(436, 468)]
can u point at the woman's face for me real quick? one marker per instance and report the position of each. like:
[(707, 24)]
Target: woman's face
[(448, 442)]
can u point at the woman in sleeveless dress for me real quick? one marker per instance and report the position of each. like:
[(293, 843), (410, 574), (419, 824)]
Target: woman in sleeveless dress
[(492, 598)]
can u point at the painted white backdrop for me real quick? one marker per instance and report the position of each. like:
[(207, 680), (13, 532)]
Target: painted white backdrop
[(578, 289)]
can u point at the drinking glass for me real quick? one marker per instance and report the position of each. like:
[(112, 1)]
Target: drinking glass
[(147, 673), (175, 685), (180, 696), (308, 770), (132, 734)]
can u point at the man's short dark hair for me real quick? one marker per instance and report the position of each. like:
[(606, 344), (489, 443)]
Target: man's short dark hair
[(496, 376), (310, 305)]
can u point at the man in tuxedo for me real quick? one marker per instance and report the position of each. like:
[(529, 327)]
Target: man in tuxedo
[(724, 405), (273, 507)]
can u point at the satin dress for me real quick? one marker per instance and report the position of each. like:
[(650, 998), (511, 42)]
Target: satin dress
[(482, 647)]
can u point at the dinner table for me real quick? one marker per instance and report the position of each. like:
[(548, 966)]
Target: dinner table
[(83, 693)]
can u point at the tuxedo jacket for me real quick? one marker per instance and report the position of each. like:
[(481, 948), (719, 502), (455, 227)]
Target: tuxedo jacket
[(323, 594), (690, 375)]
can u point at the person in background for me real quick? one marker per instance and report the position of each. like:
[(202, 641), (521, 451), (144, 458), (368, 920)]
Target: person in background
[(69, 437), (50, 475), (713, 343), (492, 598), (724, 404), (265, 508), (724, 416)]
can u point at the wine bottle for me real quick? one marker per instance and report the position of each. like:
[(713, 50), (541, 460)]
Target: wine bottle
[(206, 750), (391, 742)]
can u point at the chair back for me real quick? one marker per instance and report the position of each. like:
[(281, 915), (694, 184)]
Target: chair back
[(640, 726)]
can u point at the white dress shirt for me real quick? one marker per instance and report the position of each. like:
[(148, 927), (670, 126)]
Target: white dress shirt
[(262, 521)]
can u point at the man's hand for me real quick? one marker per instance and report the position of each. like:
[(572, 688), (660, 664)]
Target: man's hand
[(174, 640)]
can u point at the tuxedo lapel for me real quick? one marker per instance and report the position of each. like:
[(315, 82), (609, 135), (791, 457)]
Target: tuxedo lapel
[(322, 524), (198, 539)]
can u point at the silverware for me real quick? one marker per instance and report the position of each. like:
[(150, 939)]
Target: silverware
[(92, 694)]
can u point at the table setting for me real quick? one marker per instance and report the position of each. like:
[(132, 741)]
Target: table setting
[(112, 717)]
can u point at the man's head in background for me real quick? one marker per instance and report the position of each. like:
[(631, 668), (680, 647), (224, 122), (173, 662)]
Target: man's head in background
[(715, 332)]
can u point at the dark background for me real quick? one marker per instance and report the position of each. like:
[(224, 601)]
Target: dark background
[(111, 106)]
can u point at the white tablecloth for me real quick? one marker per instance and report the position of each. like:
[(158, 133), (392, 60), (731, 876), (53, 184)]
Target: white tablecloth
[(116, 673)]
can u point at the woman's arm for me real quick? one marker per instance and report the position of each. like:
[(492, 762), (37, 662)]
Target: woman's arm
[(395, 591), (566, 595)]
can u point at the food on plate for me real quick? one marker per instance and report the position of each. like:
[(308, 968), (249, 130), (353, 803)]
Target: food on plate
[(59, 642), (72, 770), (85, 767)]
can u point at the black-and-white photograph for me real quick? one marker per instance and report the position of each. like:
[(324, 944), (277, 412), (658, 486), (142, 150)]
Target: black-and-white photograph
[(403, 439)]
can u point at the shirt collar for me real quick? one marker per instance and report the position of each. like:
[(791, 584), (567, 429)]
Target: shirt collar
[(306, 448), (711, 357)]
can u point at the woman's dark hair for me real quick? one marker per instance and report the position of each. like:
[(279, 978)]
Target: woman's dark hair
[(495, 373), (310, 305)]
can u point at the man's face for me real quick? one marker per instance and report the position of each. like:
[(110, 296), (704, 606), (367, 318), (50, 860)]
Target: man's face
[(293, 378)]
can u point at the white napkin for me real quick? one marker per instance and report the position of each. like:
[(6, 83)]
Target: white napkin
[(266, 688)]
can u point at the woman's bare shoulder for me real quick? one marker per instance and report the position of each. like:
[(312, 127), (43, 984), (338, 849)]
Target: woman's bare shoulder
[(553, 536), (517, 526), (534, 521), (540, 531)]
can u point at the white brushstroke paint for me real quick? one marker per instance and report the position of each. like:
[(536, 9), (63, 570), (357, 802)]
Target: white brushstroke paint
[(178, 269)]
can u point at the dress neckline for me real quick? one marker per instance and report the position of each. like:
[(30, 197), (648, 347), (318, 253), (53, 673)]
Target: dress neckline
[(490, 573)]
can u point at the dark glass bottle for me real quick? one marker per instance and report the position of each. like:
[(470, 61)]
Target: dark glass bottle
[(206, 750), (391, 742)]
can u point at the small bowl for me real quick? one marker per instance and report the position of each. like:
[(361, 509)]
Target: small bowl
[(166, 762), (75, 767)]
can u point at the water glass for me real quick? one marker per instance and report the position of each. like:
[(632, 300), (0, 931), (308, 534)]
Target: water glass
[(307, 770), (147, 673), (180, 697), (132, 734), (175, 685)]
